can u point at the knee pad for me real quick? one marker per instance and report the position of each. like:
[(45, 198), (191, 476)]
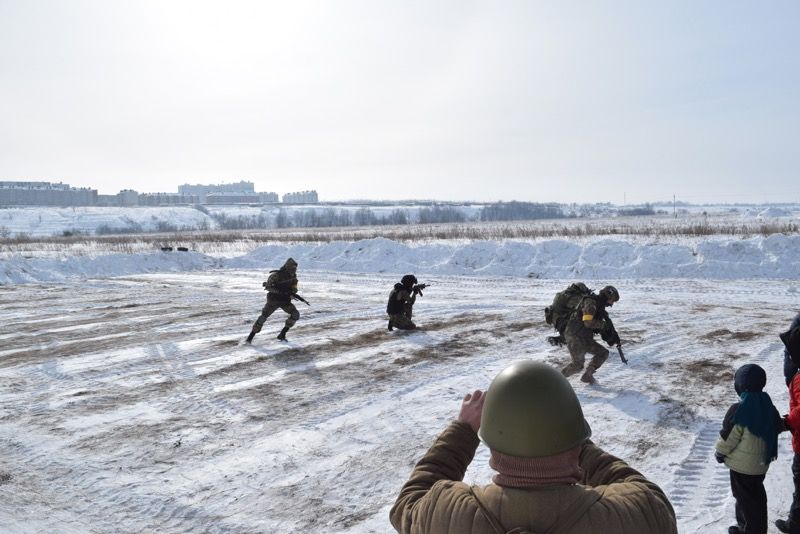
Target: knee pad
[(295, 315)]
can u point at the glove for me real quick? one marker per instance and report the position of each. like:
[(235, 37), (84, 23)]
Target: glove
[(719, 456), (610, 336), (613, 339)]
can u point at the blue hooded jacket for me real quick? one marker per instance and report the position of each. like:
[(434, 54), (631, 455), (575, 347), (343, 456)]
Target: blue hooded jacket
[(756, 411)]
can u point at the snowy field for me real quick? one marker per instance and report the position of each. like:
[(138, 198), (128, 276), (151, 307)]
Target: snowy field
[(55, 221), (129, 404)]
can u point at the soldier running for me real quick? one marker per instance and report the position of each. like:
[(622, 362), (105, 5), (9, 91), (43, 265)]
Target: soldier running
[(281, 286), (590, 317)]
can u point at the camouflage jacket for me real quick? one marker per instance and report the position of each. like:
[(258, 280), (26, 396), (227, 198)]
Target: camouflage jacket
[(588, 319), (281, 285)]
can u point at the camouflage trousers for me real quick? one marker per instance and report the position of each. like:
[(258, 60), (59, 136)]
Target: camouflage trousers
[(402, 321), (579, 347), (269, 309)]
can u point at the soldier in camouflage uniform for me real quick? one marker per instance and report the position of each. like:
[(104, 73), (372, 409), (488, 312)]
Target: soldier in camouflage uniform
[(585, 321), (281, 286), (401, 302)]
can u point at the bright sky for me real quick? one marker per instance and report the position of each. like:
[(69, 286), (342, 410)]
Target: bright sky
[(454, 100)]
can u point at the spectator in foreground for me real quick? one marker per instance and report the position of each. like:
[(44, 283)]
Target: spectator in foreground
[(550, 476)]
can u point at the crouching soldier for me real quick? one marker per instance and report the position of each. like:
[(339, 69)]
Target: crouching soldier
[(281, 287), (550, 476), (401, 302), (589, 317)]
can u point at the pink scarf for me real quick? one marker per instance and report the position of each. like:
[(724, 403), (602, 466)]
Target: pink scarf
[(518, 472)]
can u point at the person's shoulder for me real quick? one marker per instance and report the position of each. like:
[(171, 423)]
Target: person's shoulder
[(732, 409)]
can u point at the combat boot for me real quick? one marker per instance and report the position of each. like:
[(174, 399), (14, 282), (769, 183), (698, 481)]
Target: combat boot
[(588, 375), (570, 369), (250, 338), (390, 326), (786, 526), (282, 335)]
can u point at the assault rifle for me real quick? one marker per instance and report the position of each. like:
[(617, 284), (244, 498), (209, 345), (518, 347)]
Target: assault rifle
[(301, 299), (610, 336), (418, 288), (621, 355), (293, 295)]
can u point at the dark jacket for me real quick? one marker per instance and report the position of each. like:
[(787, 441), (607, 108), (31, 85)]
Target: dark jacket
[(401, 299), (612, 498), (789, 367)]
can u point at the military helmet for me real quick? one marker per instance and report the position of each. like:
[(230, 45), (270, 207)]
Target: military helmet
[(408, 280), (531, 411), (610, 293), (290, 265)]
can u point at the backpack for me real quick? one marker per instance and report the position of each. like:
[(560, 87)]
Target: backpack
[(564, 303), (395, 306), (280, 282), (273, 280)]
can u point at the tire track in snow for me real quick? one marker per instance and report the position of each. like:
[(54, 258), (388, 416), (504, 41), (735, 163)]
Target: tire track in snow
[(701, 486)]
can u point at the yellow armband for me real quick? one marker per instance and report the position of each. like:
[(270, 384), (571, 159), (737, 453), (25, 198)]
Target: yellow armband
[(588, 317)]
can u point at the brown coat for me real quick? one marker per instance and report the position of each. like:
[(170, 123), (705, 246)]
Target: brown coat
[(616, 499)]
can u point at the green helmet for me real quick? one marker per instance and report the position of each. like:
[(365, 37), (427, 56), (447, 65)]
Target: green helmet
[(610, 293), (531, 411)]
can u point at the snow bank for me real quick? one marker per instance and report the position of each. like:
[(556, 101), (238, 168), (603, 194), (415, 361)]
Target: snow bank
[(777, 256), (44, 221), (19, 270), (774, 212)]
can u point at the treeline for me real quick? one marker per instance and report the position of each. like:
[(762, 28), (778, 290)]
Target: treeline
[(520, 211), (333, 217), (133, 227), (646, 209), (436, 214)]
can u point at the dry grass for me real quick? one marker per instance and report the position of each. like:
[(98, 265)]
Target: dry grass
[(572, 228)]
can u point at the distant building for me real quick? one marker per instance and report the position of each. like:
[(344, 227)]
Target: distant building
[(233, 198), (107, 200), (268, 198), (203, 190), (302, 197), (45, 194), (127, 197), (165, 199)]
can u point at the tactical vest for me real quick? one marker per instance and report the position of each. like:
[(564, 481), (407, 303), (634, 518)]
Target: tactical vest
[(395, 305)]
